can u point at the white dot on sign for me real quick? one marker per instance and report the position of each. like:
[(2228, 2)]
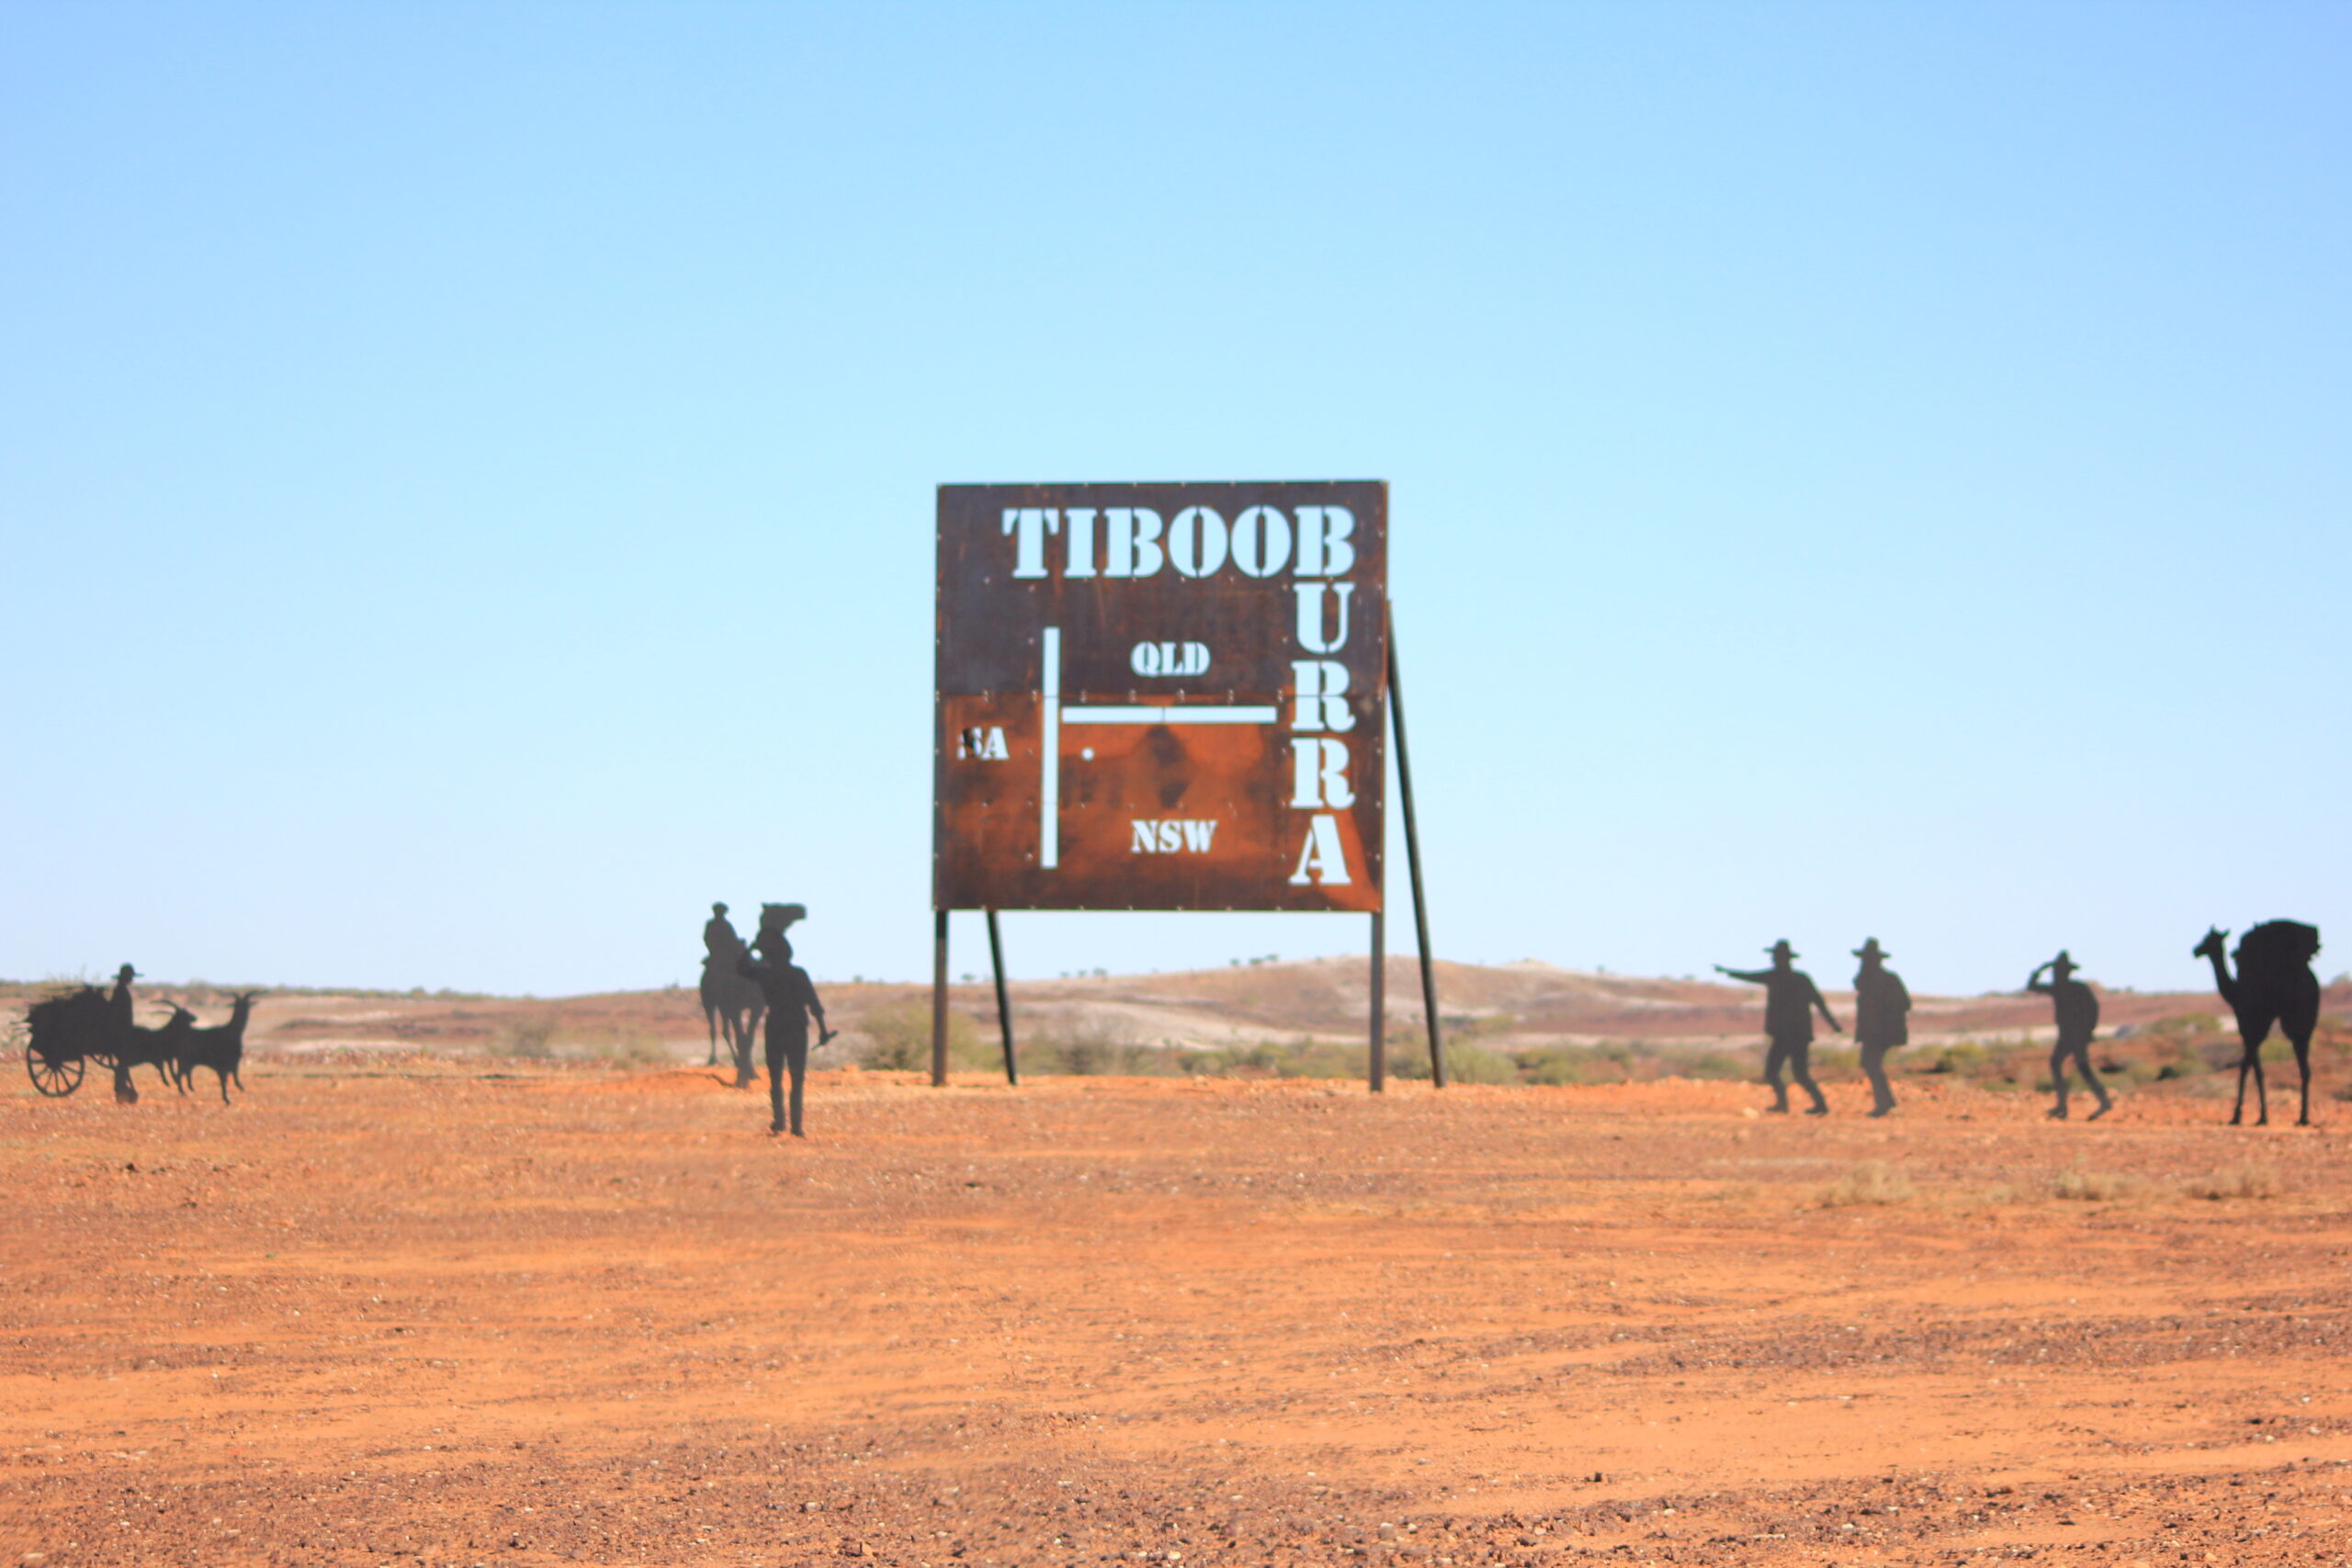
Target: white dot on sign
[(1087, 753)]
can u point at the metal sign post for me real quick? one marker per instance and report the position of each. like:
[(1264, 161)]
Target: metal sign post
[(1163, 696), (1003, 1002), (1413, 868)]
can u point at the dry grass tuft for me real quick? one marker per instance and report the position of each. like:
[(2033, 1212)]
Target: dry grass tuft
[(2096, 1186), (2249, 1178), (1872, 1182)]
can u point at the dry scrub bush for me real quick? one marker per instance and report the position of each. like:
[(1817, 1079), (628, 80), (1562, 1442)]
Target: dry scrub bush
[(2252, 1178), (541, 1039), (2096, 1186), (1837, 1063), (1872, 1182), (1301, 1058), (898, 1038), (1474, 1064), (629, 1048), (1464, 1062), (533, 1039), (1087, 1045)]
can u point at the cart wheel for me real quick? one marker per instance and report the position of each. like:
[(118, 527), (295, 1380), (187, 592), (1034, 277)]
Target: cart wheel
[(53, 1076)]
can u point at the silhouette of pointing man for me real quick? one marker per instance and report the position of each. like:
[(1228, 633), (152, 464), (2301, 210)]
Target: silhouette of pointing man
[(2076, 1006), (791, 998), (1790, 996)]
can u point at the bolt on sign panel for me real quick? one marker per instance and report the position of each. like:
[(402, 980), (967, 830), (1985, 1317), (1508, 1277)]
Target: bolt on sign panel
[(1161, 697)]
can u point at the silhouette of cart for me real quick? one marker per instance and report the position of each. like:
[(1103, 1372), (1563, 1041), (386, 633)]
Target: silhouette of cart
[(63, 1035)]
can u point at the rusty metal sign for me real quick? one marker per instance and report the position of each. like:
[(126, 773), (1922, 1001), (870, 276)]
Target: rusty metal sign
[(1161, 697)]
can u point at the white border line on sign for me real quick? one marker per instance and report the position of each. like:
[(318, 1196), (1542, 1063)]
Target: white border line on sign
[(1171, 716), (1049, 791)]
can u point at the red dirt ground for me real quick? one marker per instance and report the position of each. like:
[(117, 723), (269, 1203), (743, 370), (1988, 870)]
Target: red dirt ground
[(440, 1314)]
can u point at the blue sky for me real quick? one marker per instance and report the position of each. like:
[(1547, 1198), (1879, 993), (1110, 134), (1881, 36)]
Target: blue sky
[(466, 472)]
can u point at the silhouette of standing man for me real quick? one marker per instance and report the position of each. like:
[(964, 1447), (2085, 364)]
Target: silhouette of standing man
[(1882, 1009), (2076, 1006), (120, 1018), (1790, 996), (791, 999)]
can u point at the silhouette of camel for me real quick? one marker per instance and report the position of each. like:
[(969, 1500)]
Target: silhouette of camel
[(220, 1047), (2274, 984), (731, 1002), (731, 1006)]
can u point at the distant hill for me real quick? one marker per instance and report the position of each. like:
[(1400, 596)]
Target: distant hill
[(1510, 1007)]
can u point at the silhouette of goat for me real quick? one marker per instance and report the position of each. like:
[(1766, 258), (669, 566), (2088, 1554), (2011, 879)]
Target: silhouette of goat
[(220, 1047), (156, 1048)]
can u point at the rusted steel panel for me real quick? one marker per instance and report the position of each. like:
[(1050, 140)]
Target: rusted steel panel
[(1161, 697)]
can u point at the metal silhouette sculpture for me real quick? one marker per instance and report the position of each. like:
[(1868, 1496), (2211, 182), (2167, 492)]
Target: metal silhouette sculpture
[(1881, 1019), (121, 1020), (2274, 983), (219, 1046), (1789, 999), (2076, 1007), (156, 1048), (791, 1000), (731, 1003), (64, 1033), (68, 1031)]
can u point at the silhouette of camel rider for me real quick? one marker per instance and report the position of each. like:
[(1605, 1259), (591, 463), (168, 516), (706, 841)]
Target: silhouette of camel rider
[(1882, 1005), (1790, 996), (718, 939), (791, 1000), (2076, 1006), (120, 1018)]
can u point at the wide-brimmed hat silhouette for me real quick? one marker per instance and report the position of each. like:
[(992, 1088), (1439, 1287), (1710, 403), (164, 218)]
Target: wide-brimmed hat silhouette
[(2063, 965), (1871, 949), (1781, 949), (126, 973)]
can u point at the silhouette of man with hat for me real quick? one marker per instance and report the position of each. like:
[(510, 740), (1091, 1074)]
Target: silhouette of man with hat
[(791, 999), (1790, 996), (1881, 1022), (718, 938), (122, 1017), (2076, 1006)]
